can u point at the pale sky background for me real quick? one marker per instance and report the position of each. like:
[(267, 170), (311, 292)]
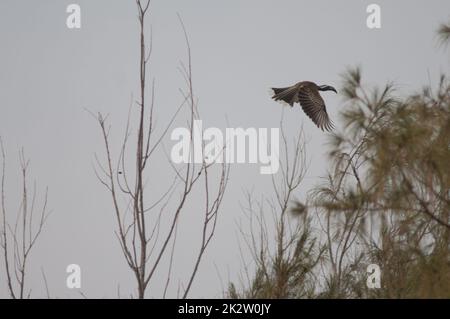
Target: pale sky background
[(49, 74)]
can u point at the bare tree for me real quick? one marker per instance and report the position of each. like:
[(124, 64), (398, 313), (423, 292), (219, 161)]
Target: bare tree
[(283, 251), (143, 237), (19, 235)]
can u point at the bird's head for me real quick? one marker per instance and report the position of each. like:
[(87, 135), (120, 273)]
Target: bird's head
[(326, 88)]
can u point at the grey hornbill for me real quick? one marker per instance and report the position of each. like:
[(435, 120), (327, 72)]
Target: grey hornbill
[(307, 94)]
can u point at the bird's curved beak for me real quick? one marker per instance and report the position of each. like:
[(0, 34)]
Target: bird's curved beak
[(333, 89)]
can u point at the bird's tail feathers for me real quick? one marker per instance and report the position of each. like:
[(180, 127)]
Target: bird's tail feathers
[(285, 95)]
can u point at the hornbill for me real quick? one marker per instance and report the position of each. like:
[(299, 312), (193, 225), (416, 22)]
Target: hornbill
[(307, 94)]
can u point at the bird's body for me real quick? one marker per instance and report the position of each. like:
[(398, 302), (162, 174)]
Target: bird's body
[(307, 94)]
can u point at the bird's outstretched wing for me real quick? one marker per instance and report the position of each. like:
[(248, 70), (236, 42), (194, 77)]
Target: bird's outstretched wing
[(314, 106)]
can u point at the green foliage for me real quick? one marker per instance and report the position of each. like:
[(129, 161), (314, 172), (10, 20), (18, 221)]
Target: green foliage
[(444, 33), (390, 185), (386, 201), (287, 273)]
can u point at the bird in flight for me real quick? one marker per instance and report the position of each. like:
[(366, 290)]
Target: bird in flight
[(307, 94)]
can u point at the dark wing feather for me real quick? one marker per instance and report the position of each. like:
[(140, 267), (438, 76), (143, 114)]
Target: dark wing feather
[(314, 106)]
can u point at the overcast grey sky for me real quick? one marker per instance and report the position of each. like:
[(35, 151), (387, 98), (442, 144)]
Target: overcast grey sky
[(49, 74)]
